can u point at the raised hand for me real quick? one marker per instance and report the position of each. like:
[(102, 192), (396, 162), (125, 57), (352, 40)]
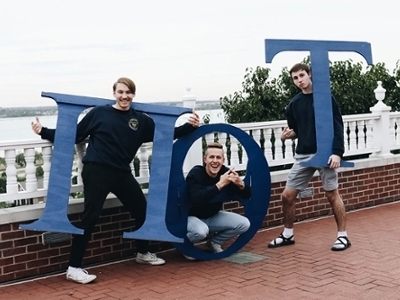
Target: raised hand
[(194, 119), (36, 126)]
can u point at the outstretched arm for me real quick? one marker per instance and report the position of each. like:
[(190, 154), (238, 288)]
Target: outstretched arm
[(44, 132)]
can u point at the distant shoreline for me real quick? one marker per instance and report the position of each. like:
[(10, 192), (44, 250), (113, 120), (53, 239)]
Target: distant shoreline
[(15, 112)]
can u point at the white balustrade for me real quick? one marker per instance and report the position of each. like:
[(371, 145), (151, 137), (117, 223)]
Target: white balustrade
[(365, 136)]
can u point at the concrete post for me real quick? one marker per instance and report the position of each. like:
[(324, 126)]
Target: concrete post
[(195, 153), (382, 125)]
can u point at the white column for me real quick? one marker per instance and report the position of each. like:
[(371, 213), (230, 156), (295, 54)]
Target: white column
[(381, 126), (46, 154), (30, 170), (80, 153), (143, 156), (195, 153), (11, 172)]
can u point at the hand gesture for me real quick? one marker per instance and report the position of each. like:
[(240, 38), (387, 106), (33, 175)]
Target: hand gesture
[(234, 177), (36, 126), (224, 179), (334, 161), (194, 119), (287, 133)]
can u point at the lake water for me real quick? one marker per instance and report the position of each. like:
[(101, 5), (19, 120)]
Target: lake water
[(19, 129)]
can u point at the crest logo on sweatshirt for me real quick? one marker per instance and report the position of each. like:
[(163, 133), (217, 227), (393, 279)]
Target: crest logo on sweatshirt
[(133, 124)]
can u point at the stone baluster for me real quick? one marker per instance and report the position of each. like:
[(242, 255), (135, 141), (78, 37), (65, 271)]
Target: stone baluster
[(256, 134), (397, 131), (11, 172), (234, 151), (222, 137), (369, 125), (80, 153), (278, 143), (143, 156), (352, 136), (209, 137), (268, 144), (392, 131), (30, 170), (245, 157), (288, 148), (194, 155), (46, 154)]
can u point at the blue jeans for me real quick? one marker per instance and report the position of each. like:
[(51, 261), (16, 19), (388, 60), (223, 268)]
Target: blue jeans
[(223, 226)]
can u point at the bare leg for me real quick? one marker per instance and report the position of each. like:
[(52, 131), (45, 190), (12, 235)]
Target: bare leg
[(289, 210), (289, 207), (338, 208)]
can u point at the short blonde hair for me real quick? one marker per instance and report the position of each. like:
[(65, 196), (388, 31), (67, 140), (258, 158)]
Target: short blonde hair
[(213, 145)]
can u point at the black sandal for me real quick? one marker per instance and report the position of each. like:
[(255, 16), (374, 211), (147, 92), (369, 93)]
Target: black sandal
[(285, 241), (342, 243)]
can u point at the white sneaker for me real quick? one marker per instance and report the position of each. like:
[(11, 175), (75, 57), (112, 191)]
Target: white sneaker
[(189, 257), (149, 258), (214, 247), (79, 275)]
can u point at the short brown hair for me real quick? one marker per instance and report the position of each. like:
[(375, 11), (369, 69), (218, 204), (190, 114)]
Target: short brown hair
[(300, 67), (128, 82)]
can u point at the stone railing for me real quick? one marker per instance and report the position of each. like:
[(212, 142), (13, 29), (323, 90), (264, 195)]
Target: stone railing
[(374, 135), (364, 136)]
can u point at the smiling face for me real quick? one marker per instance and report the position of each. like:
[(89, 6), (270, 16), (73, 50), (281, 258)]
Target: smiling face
[(123, 97), (123, 90), (302, 80), (213, 160)]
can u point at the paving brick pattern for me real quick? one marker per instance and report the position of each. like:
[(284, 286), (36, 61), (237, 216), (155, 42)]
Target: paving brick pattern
[(370, 269)]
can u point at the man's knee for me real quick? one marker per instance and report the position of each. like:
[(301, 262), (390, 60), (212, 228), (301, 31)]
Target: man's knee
[(289, 195), (332, 196), (244, 225), (197, 234)]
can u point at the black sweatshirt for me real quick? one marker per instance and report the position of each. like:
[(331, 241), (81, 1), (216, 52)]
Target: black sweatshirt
[(301, 118), (114, 135), (201, 190)]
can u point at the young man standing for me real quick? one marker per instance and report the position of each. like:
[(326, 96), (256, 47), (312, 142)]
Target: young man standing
[(301, 125), (206, 217), (115, 134)]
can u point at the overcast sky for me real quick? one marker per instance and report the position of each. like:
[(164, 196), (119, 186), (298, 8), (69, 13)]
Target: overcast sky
[(82, 47)]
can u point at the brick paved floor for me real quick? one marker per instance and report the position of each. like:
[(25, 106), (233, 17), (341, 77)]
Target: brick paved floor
[(370, 269)]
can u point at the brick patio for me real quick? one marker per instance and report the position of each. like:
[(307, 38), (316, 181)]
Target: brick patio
[(370, 269)]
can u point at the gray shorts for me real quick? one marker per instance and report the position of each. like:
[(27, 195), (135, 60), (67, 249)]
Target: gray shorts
[(299, 176)]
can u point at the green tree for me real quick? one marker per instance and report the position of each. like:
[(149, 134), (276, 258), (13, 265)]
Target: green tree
[(3, 182), (354, 88), (38, 158), (2, 163), (352, 84), (20, 160), (261, 99), (39, 172)]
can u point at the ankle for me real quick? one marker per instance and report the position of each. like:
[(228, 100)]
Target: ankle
[(287, 232), (70, 268)]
